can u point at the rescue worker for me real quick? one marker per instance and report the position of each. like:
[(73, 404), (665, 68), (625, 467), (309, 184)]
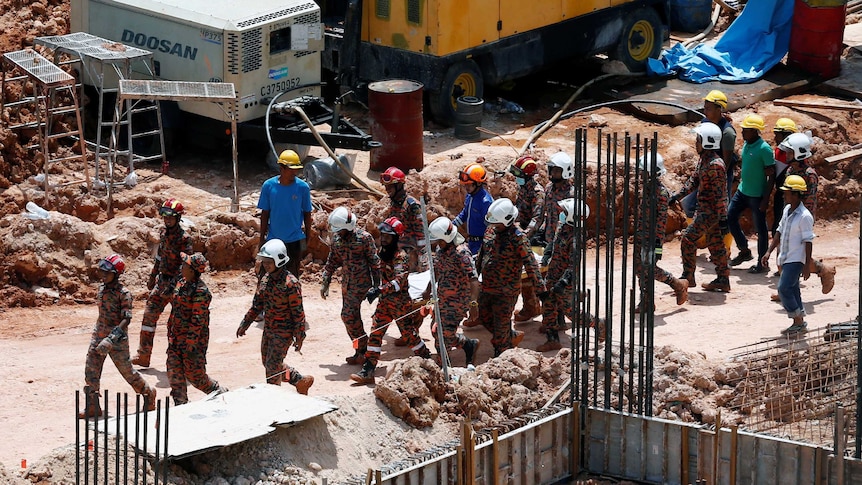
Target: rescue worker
[(798, 149), (715, 111), (710, 218), (457, 286), (109, 338), (754, 191), (529, 201), (794, 238), (559, 188), (353, 249), (648, 252), (476, 204), (173, 241), (783, 128), (279, 297), (189, 332), (505, 253), (394, 300), (561, 271), (409, 211)]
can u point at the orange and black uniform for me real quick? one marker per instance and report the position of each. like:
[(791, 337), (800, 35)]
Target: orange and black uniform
[(710, 178)]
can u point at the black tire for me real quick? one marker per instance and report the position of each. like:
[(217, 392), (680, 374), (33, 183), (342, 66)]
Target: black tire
[(463, 78), (641, 39)]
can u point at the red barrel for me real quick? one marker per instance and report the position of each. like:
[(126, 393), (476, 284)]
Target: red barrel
[(396, 122), (817, 36)]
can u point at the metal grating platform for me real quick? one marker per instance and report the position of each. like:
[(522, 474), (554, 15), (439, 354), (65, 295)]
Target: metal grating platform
[(88, 45), (177, 90), (39, 68)]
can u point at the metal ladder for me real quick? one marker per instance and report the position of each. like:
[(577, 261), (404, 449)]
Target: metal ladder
[(54, 97), (104, 63)]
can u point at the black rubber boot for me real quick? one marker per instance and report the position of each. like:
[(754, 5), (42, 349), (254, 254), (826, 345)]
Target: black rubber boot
[(366, 375), (470, 347)]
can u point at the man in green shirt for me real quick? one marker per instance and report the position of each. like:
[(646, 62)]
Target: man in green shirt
[(754, 191)]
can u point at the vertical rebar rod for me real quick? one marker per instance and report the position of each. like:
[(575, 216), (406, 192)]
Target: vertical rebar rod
[(158, 436), (87, 404), (105, 440), (650, 313), (77, 421), (117, 452), (137, 435), (636, 295), (598, 264), (610, 177), (125, 439), (858, 453), (146, 414), (627, 143), (167, 428)]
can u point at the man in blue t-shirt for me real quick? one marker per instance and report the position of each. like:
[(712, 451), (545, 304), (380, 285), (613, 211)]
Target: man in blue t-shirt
[(285, 205), (754, 192), (476, 204)]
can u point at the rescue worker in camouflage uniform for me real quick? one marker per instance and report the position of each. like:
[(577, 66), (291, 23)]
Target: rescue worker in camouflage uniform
[(189, 332), (110, 339), (409, 211), (710, 217), (279, 297), (457, 286), (394, 300), (505, 252), (560, 174), (530, 202), (173, 240), (798, 149), (648, 252), (353, 249), (558, 302), (476, 204)]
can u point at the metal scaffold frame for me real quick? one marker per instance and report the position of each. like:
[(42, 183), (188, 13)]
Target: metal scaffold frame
[(133, 91)]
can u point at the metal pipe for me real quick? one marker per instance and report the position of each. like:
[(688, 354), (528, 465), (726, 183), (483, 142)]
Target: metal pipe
[(858, 453), (441, 350), (625, 238)]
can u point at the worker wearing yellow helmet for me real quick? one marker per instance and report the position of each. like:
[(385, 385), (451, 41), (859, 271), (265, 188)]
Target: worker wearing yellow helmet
[(783, 128), (794, 239), (715, 111), (754, 191)]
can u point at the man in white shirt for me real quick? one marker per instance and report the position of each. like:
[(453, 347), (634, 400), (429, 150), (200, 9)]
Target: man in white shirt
[(794, 235)]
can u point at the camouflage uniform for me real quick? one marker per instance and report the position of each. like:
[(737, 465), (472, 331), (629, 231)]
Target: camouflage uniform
[(279, 298), (188, 339), (561, 262), (394, 302), (554, 193), (530, 203), (809, 198), (501, 259), (453, 271), (642, 242), (115, 305), (710, 178), (166, 272), (358, 255), (407, 210)]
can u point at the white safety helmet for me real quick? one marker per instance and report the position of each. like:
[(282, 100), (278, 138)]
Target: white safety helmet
[(799, 144), (710, 135), (645, 163), (502, 211), (340, 219), (275, 250), (442, 228), (569, 207), (564, 161)]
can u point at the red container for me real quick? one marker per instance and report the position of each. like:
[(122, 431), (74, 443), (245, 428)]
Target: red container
[(817, 36), (396, 122)]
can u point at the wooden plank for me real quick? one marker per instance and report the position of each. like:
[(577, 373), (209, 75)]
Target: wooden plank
[(853, 36), (809, 104), (844, 156)]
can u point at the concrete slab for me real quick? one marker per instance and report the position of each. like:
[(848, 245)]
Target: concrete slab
[(233, 417), (849, 83), (853, 36), (779, 82)]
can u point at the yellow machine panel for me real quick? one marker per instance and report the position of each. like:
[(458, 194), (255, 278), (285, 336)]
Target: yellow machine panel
[(522, 15), (398, 23), (574, 8)]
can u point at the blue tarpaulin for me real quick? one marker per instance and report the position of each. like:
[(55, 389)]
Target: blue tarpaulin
[(756, 41)]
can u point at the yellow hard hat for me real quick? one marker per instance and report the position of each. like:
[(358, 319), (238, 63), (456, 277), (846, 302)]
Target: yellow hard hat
[(753, 122), (290, 159), (785, 125), (717, 97), (794, 183)]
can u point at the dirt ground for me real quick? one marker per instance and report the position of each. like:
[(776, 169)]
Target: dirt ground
[(48, 287)]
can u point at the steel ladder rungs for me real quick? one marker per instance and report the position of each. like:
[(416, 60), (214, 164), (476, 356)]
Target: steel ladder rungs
[(145, 134)]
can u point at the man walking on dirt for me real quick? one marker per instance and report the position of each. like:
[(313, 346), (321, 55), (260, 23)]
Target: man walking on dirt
[(353, 250), (710, 219), (530, 203), (285, 209), (476, 203), (173, 241), (794, 239), (110, 339), (279, 297), (189, 332)]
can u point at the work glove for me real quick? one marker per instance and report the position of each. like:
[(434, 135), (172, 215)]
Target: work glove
[(538, 239), (151, 282), (658, 249), (324, 288), (723, 227), (242, 328), (298, 338), (560, 288), (116, 336), (543, 295), (372, 294)]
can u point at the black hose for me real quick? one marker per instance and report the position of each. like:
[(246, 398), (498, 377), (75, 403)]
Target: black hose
[(614, 103)]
